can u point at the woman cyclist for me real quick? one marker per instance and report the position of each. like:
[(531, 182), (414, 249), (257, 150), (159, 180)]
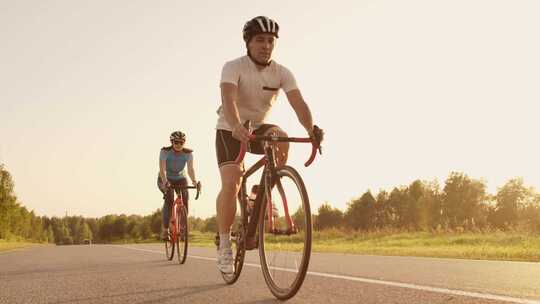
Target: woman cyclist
[(172, 164)]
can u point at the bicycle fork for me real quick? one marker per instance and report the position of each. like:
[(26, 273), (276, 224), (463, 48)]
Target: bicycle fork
[(269, 178)]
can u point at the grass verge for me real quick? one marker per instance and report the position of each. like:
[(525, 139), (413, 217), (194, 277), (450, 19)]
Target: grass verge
[(6, 245), (509, 246)]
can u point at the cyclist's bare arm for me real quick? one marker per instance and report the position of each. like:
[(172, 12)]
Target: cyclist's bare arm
[(229, 93), (191, 171), (301, 109), (162, 173)]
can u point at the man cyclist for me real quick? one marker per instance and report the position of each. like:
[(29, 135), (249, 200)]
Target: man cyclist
[(249, 88), (172, 164)]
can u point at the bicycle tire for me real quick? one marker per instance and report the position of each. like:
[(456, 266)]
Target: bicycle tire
[(270, 272), (182, 235), (169, 243)]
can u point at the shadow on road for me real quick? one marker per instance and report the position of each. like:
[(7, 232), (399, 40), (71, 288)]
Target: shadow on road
[(161, 295), (74, 270), (265, 301)]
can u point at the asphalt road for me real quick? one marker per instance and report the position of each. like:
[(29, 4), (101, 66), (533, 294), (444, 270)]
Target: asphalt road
[(140, 274)]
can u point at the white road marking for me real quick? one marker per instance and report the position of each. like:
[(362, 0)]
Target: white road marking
[(486, 296)]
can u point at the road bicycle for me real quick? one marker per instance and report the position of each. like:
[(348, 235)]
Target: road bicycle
[(178, 224), (283, 239)]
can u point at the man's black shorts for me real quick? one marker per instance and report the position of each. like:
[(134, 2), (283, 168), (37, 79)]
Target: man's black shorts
[(228, 147)]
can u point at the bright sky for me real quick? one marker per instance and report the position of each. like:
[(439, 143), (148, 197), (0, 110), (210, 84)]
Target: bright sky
[(90, 90)]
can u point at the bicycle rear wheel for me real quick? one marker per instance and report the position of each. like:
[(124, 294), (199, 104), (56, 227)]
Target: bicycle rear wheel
[(285, 248), (182, 235), (239, 253)]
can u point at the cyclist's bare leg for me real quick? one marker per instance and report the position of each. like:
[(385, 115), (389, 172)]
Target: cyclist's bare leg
[(281, 149), (226, 209), (231, 175)]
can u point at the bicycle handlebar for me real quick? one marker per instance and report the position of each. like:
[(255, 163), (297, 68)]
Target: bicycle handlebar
[(198, 187), (315, 143)]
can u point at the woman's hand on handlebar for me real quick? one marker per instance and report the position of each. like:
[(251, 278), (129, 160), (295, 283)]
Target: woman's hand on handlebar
[(166, 184)]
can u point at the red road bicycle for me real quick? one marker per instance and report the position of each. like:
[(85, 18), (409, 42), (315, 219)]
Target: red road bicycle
[(284, 240), (178, 224)]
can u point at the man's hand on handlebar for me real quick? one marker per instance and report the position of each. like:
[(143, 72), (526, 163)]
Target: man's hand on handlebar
[(241, 132), (317, 134)]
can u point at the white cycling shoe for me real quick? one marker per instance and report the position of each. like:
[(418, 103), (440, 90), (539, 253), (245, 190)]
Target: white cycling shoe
[(225, 260)]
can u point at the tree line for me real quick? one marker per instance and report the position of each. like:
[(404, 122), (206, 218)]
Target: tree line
[(16, 222), (462, 204)]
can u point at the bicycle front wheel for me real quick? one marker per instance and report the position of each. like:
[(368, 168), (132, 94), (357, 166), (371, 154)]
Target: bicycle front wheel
[(182, 235), (285, 234), (170, 242)]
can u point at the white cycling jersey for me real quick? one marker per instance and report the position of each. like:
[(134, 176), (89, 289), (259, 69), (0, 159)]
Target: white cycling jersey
[(257, 89)]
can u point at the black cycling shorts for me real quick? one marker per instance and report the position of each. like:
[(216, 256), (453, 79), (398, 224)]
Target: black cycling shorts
[(228, 147)]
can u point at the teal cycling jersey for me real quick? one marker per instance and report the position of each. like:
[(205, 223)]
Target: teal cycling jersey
[(175, 162)]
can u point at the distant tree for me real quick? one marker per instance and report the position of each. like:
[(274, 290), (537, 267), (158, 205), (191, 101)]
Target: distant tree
[(463, 198), (50, 235), (530, 213), (36, 228), (210, 224), (360, 212), (155, 223), (383, 211), (20, 222), (94, 228), (8, 202), (106, 228), (328, 217), (413, 208), (120, 227), (66, 239), (397, 207), (195, 223), (145, 231), (86, 232), (133, 226), (298, 218), (75, 225), (512, 198), (429, 206)]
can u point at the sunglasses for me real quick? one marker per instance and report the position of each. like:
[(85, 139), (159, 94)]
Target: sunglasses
[(178, 142)]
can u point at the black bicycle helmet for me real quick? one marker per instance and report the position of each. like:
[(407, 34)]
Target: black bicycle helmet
[(258, 25), (177, 136)]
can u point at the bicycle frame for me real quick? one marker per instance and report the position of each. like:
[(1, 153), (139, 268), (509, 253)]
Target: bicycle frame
[(177, 203)]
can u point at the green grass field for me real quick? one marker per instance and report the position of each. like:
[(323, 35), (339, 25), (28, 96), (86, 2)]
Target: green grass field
[(489, 246), (10, 245)]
